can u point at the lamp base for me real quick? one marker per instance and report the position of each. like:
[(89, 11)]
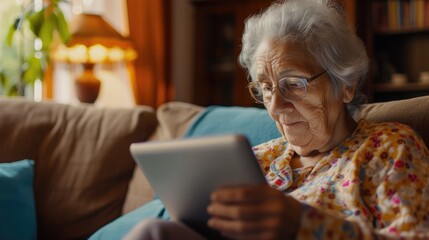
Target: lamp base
[(87, 87)]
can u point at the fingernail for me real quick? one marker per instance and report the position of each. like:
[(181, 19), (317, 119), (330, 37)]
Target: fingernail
[(209, 208), (210, 223)]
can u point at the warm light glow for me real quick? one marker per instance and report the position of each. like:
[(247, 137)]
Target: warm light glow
[(94, 41), (60, 53), (116, 55), (78, 54), (97, 53), (130, 54)]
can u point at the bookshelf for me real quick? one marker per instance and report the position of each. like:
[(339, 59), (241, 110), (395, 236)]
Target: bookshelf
[(400, 15), (219, 80), (396, 33)]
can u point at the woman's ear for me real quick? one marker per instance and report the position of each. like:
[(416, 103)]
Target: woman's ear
[(348, 93)]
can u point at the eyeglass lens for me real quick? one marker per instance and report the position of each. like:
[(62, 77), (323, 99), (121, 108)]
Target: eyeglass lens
[(292, 88)]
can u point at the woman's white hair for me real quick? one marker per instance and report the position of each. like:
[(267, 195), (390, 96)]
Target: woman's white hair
[(321, 27)]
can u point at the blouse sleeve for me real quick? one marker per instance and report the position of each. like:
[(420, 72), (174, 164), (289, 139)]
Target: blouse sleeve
[(394, 188)]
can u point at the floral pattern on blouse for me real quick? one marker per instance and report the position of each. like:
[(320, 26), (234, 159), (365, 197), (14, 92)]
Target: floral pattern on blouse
[(375, 185)]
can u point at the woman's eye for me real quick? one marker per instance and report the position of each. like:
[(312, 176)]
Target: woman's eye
[(294, 83), (266, 87)]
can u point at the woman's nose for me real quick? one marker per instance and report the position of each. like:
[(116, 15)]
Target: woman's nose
[(279, 104)]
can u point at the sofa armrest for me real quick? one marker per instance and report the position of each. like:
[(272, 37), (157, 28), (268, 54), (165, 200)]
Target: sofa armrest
[(82, 160)]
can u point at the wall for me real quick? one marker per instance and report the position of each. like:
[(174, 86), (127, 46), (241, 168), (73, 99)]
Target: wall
[(182, 51)]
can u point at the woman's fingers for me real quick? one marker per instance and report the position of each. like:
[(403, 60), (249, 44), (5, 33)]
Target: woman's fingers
[(254, 212), (241, 193), (247, 202), (247, 211)]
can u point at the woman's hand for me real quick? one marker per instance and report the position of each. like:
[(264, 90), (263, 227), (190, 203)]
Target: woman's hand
[(254, 212)]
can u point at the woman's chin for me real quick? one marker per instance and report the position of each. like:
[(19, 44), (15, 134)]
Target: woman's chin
[(301, 145), (297, 143), (296, 137)]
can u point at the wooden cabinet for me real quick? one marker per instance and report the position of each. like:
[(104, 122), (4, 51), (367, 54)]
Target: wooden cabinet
[(219, 79), (396, 33)]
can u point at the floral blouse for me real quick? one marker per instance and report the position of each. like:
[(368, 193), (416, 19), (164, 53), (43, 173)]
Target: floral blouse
[(375, 185)]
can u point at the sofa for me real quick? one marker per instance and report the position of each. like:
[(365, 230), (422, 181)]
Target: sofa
[(82, 176)]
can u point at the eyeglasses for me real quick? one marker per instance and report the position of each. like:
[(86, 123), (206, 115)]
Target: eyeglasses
[(290, 87)]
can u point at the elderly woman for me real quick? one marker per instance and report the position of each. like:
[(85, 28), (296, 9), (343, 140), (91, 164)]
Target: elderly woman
[(330, 176)]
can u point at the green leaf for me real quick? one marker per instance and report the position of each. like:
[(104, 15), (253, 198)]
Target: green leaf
[(62, 26), (4, 81), (47, 32), (35, 20), (13, 91), (33, 71), (11, 32)]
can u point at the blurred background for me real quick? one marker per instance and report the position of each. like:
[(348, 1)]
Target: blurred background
[(121, 53)]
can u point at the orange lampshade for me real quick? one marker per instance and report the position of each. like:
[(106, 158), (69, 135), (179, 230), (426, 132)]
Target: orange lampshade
[(95, 41)]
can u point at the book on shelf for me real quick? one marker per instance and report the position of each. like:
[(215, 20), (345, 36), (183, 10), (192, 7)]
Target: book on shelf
[(396, 15)]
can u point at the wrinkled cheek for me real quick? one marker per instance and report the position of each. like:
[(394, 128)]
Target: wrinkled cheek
[(281, 130), (317, 121), (318, 128)]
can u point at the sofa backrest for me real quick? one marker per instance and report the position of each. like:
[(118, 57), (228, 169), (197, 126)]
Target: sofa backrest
[(179, 119), (82, 161), (413, 112)]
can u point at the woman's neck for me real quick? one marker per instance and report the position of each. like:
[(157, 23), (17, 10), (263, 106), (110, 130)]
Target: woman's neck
[(298, 161)]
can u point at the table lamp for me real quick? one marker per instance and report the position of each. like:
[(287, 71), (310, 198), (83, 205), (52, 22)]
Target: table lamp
[(93, 42)]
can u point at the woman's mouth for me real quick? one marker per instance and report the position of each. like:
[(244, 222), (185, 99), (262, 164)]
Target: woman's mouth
[(289, 124)]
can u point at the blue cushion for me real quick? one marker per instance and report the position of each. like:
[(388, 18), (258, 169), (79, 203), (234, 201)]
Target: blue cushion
[(254, 123), (121, 226), (17, 208)]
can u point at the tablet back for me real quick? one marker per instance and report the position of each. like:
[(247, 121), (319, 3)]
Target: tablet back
[(183, 173)]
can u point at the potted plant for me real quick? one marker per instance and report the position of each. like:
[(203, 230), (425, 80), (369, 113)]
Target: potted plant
[(37, 24)]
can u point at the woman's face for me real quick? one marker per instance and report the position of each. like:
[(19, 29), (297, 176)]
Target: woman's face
[(315, 123)]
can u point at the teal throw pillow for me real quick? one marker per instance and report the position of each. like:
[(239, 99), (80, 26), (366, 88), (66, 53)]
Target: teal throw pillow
[(17, 208)]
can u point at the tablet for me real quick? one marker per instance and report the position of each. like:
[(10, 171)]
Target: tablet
[(183, 173)]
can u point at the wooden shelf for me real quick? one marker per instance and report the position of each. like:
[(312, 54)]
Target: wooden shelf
[(397, 42), (406, 87), (403, 31)]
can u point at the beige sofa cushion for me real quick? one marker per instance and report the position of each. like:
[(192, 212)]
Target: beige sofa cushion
[(174, 119), (82, 160), (413, 112)]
